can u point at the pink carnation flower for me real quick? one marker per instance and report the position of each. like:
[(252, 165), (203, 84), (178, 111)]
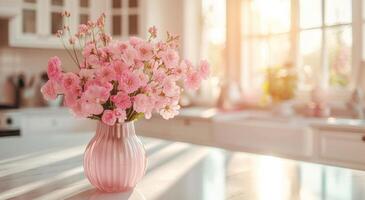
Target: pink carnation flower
[(54, 68), (204, 69), (70, 100), (180, 71), (142, 103), (93, 98), (170, 111), (94, 82), (90, 108), (72, 95), (122, 46), (109, 117), (145, 51), (88, 50), (134, 41), (93, 61), (187, 66), (49, 90), (159, 75), (120, 68), (143, 79), (161, 46), (122, 100), (69, 81), (193, 80), (86, 74), (170, 88), (129, 83), (83, 29), (160, 102), (102, 54), (120, 114), (105, 74), (170, 58), (153, 89), (129, 55), (96, 94), (114, 51), (138, 65)]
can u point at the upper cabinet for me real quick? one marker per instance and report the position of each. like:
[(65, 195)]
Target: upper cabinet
[(9, 8), (37, 21), (125, 18), (56, 20)]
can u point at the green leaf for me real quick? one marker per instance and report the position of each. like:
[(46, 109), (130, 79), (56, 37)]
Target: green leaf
[(137, 116)]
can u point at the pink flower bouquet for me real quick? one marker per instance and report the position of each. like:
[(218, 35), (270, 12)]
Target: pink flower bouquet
[(121, 81)]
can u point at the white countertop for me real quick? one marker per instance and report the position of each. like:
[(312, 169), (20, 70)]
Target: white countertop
[(49, 166), (213, 114)]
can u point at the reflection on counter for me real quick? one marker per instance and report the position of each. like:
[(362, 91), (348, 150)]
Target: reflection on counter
[(176, 171)]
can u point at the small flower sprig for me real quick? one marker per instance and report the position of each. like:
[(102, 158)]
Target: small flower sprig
[(121, 81)]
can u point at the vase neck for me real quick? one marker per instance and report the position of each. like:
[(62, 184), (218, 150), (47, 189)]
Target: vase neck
[(117, 130)]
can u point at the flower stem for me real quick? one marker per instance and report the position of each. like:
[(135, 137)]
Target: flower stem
[(73, 45), (69, 53)]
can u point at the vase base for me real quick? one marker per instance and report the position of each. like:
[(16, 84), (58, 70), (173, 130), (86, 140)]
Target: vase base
[(131, 194), (126, 190)]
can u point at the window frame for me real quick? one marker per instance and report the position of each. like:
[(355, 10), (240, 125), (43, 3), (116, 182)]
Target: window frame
[(32, 7), (125, 11), (56, 9), (83, 11), (357, 24)]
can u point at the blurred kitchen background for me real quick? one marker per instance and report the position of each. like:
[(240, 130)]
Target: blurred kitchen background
[(287, 79), (285, 57), (308, 53)]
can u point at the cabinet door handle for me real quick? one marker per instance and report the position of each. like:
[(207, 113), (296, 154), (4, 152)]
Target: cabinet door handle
[(363, 138)]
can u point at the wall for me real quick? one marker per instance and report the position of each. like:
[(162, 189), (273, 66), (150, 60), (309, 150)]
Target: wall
[(177, 16), (166, 15), (28, 61), (181, 17)]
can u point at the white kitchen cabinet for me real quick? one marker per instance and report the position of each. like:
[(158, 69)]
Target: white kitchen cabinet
[(125, 18), (53, 120), (294, 141), (37, 21), (345, 148), (198, 131), (9, 8), (35, 24)]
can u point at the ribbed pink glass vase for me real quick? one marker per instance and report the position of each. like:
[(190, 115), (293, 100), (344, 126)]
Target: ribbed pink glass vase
[(115, 159)]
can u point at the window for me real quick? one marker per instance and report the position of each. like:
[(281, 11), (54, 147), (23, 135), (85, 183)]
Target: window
[(84, 6), (311, 37), (266, 38), (56, 18), (125, 17), (325, 42), (29, 16), (214, 34)]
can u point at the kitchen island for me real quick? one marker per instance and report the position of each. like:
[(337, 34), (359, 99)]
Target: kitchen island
[(49, 166)]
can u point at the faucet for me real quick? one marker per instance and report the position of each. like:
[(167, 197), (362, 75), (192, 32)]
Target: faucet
[(356, 103)]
